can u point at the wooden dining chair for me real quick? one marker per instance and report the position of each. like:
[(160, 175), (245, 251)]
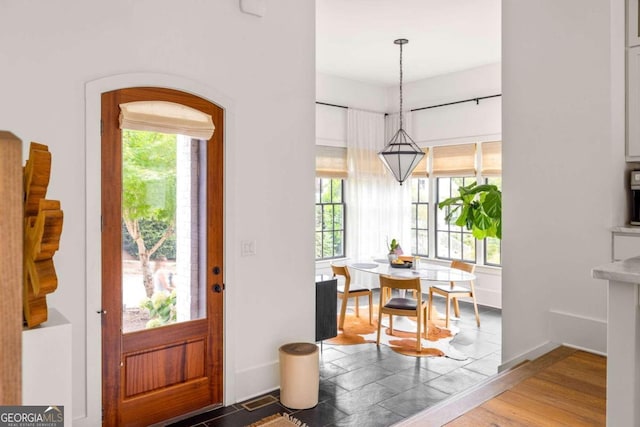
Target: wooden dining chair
[(452, 291), (347, 292), (402, 306)]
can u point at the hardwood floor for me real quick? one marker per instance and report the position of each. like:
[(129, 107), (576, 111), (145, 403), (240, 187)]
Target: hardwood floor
[(563, 387)]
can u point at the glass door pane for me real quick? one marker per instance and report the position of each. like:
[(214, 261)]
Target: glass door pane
[(161, 221)]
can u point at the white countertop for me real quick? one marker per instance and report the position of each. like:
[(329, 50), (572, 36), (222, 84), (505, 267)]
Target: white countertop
[(619, 271)]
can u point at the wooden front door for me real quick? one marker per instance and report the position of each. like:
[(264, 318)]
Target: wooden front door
[(162, 265)]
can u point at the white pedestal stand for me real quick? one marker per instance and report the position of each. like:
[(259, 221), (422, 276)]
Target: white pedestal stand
[(46, 364)]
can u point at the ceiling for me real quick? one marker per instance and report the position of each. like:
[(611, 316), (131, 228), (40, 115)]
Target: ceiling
[(354, 38)]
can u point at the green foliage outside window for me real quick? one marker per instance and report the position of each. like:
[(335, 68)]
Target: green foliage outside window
[(420, 216), (330, 215), (151, 231), (161, 307), (148, 193)]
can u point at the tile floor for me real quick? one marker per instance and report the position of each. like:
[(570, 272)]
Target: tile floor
[(367, 386)]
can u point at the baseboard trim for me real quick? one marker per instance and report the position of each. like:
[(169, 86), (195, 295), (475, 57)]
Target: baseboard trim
[(530, 354), (577, 331)]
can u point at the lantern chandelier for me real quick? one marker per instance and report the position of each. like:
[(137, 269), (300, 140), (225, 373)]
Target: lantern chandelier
[(401, 155)]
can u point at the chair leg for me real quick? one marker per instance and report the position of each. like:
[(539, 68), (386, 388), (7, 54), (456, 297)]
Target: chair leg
[(425, 320), (418, 332), (380, 316), (343, 311), (357, 307), (456, 307), (447, 312), (430, 304), (370, 307), (391, 324), (475, 307)]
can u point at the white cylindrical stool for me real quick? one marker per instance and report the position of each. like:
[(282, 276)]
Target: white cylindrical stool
[(299, 375)]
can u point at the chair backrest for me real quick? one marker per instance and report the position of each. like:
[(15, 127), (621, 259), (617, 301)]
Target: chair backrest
[(412, 283), (464, 266), (342, 270)]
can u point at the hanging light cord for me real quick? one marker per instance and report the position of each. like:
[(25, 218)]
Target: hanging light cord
[(401, 85)]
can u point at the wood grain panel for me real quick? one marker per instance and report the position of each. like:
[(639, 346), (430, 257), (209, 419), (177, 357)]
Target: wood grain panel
[(111, 196), (163, 367), (11, 230), (196, 356), (552, 393), (529, 410), (569, 391), (149, 338), (155, 406)]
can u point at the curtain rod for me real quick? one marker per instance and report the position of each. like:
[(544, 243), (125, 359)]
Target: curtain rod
[(346, 108), (477, 101), (332, 105)]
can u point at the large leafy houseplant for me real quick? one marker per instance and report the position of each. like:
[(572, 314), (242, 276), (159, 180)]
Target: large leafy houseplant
[(478, 208)]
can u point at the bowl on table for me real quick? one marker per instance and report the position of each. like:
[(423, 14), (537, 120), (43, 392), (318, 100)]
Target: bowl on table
[(401, 264)]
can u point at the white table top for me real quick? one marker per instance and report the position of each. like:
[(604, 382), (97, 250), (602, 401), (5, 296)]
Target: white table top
[(426, 271)]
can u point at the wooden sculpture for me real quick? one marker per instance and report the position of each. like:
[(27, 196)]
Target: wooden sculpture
[(42, 229)]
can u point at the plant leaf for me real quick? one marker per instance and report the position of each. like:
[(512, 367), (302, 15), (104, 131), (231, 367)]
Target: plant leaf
[(448, 202), (451, 216), (492, 204), (482, 220), (464, 214), (478, 233)]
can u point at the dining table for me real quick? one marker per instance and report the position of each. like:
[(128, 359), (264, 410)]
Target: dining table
[(428, 272)]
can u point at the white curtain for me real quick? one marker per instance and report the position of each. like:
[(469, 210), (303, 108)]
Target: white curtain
[(378, 208)]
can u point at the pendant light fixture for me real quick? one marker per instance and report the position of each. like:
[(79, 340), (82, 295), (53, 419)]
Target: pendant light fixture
[(401, 155)]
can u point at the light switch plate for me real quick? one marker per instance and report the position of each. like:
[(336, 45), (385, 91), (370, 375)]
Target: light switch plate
[(254, 7), (248, 247)]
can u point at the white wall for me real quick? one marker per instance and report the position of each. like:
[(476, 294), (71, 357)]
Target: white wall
[(562, 169), (453, 124), (331, 121), (350, 93), (462, 123), (265, 80)]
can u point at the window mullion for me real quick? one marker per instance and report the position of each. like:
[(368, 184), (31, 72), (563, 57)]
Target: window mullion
[(479, 180), (433, 232)]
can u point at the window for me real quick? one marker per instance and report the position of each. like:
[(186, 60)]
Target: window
[(330, 215), (492, 245), (420, 216), (452, 242), (438, 176)]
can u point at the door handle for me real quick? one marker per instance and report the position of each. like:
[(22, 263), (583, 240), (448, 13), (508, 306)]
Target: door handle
[(217, 288)]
